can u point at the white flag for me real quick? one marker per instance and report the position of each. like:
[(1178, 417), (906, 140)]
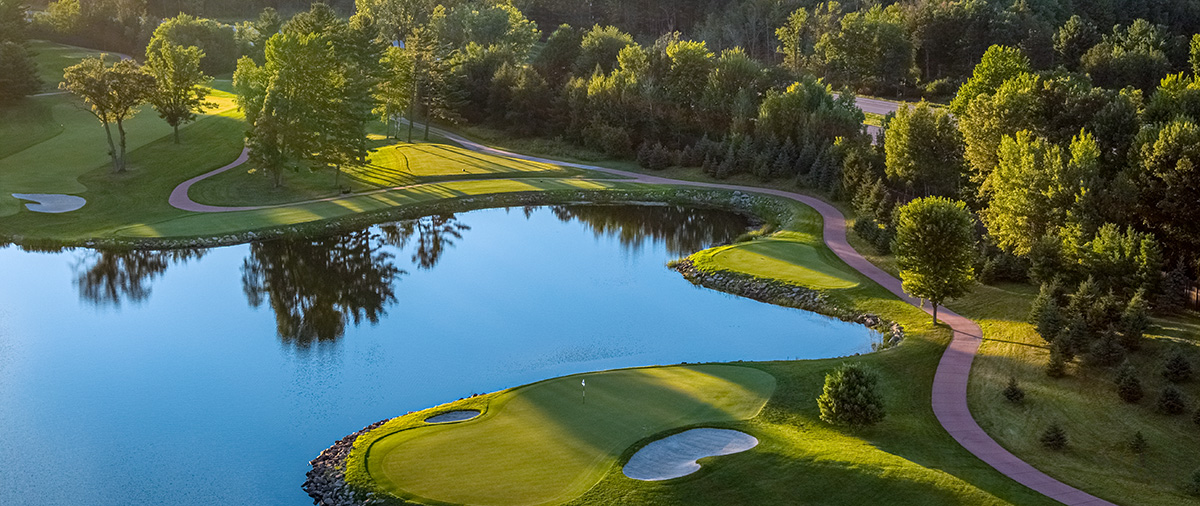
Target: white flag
[(583, 382)]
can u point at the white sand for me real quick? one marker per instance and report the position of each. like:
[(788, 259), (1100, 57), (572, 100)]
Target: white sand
[(51, 202), (453, 416), (675, 456)]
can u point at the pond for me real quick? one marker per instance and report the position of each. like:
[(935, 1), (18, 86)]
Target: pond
[(214, 376)]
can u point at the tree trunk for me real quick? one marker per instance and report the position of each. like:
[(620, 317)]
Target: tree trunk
[(112, 148), (427, 124), (175, 127), (935, 305), (121, 132), (337, 176)]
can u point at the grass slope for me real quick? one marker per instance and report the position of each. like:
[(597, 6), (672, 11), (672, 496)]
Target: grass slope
[(1097, 422), (907, 459), (542, 444), (53, 58)]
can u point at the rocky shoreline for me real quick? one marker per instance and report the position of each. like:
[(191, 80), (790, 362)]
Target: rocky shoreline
[(326, 482), (786, 294)]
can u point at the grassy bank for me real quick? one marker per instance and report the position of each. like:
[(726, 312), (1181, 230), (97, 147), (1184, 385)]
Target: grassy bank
[(907, 459)]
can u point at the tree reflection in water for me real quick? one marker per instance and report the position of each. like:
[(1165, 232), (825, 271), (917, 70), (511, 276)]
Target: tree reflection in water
[(682, 230), (316, 286), (110, 277)]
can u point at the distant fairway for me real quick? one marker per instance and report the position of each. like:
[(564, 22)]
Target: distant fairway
[(796, 262), (541, 444)]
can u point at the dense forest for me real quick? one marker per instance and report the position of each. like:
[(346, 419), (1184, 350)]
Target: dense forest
[(1070, 127)]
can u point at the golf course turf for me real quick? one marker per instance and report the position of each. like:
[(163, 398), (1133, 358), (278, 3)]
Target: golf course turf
[(54, 147), (548, 442)]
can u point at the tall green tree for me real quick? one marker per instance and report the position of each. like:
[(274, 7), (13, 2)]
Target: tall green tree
[(1134, 56), (395, 90), (1035, 187), (215, 40), (999, 64), (690, 64), (114, 94), (935, 247), (558, 55), (925, 151), (18, 74), (599, 48), (1073, 39), (181, 87), (871, 51), (1167, 174)]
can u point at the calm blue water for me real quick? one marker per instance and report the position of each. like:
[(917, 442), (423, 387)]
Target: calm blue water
[(152, 378)]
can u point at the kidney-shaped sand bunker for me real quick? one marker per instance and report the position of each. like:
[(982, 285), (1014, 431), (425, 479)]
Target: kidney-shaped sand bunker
[(675, 456)]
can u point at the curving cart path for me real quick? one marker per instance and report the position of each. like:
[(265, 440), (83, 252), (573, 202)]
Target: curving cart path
[(949, 396)]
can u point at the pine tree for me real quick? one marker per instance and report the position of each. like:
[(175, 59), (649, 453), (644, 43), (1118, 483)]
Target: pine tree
[(1056, 367), (1107, 350), (1013, 392), (1196, 417), (1074, 337), (1135, 319), (1054, 438), (644, 152), (1177, 369), (783, 163), (1050, 321), (1174, 290), (1171, 401), (1129, 387), (1047, 295), (851, 397), (1138, 444)]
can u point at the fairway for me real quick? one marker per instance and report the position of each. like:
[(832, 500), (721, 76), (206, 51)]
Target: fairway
[(791, 261), (542, 444)]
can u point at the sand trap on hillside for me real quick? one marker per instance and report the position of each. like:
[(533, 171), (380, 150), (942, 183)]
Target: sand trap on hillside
[(675, 456), (453, 416), (51, 202)]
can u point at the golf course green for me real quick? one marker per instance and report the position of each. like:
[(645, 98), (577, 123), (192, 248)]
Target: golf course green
[(548, 442), (783, 258)]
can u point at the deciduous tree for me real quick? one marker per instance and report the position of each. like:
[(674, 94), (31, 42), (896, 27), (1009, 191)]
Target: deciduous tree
[(114, 93), (181, 87), (935, 247)]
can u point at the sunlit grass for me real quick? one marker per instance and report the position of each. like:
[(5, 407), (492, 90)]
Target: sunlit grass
[(545, 443)]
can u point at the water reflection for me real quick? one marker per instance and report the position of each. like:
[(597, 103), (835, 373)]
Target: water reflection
[(317, 286), (314, 286), (110, 277), (433, 234), (683, 230)]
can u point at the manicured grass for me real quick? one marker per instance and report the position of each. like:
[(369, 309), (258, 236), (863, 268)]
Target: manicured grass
[(543, 443), (56, 163), (781, 258), (52, 58), (391, 164), (1085, 403), (25, 123), (907, 459)]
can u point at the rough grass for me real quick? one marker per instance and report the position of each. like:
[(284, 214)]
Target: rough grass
[(543, 444), (1085, 403)]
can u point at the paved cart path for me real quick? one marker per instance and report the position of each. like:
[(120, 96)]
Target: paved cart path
[(949, 396)]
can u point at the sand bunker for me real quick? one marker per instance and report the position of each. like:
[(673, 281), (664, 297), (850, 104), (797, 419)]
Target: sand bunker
[(453, 416), (675, 456), (51, 202)]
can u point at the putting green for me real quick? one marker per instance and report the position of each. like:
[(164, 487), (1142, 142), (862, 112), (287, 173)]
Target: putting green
[(787, 260), (542, 444)]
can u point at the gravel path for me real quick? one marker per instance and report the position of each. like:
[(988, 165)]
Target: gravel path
[(949, 396)]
